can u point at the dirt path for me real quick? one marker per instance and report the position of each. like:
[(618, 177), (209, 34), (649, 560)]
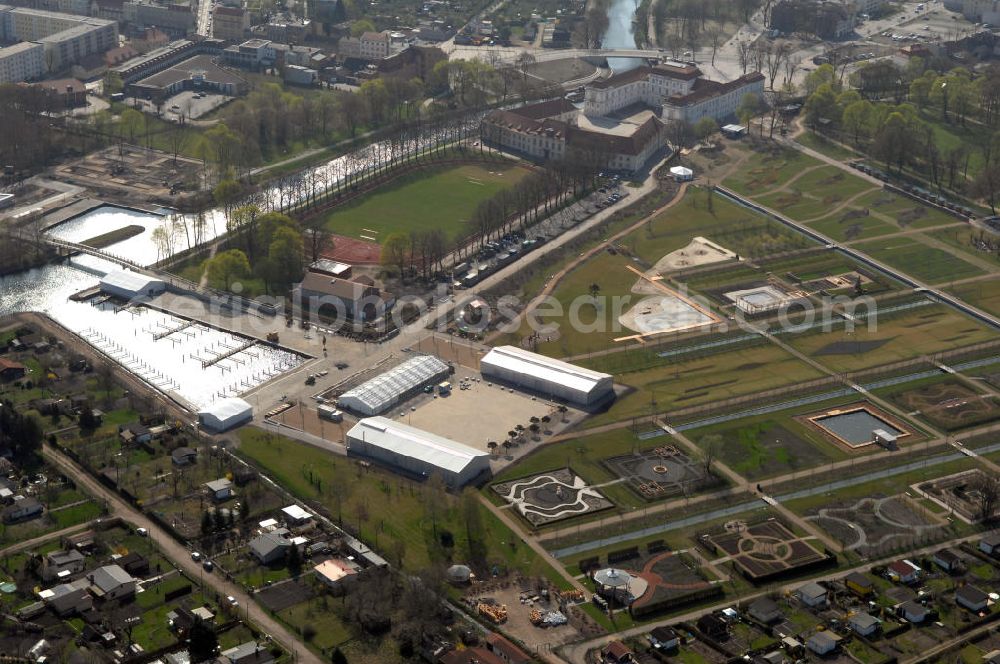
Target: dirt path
[(785, 185), (840, 206), (181, 556), (41, 539)]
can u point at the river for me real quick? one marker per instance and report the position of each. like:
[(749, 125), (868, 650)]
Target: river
[(136, 337), (620, 33)]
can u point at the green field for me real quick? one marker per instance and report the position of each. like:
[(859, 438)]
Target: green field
[(906, 212), (768, 169), (844, 226), (921, 331), (727, 224), (820, 144), (681, 383), (983, 294), (966, 241), (816, 193), (584, 456), (928, 264), (404, 517), (442, 198)]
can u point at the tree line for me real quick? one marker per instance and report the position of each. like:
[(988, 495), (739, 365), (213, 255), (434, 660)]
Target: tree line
[(894, 114)]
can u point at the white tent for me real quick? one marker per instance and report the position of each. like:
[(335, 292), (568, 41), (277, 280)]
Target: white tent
[(416, 452), (682, 174), (225, 414), (127, 284), (550, 377)]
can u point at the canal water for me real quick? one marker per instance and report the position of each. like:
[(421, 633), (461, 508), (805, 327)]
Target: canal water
[(181, 363), (620, 34)]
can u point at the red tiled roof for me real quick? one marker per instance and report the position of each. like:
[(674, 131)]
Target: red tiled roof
[(511, 652), (631, 145), (704, 88), (6, 364), (546, 109), (469, 655)]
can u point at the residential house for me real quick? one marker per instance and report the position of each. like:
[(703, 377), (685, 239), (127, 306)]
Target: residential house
[(864, 624), (248, 653), (476, 654), (812, 595), (617, 652), (68, 598), (11, 370), (948, 560), (133, 563), (506, 650), (134, 434), (220, 489), (230, 23), (296, 516), (184, 456), (823, 643), (971, 598), (859, 584), (337, 298), (913, 612), (713, 627), (21, 510), (62, 564), (904, 571), (765, 611), (338, 575), (664, 638), (990, 544), (271, 547), (111, 582)]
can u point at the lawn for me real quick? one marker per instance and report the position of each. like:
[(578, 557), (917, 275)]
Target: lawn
[(767, 168), (905, 211), (928, 264), (698, 214), (768, 445), (683, 383), (913, 333), (443, 198), (330, 629), (399, 517), (982, 294), (848, 224), (584, 456), (969, 241), (821, 144), (816, 193)]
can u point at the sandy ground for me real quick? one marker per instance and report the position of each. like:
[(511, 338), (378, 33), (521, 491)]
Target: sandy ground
[(476, 415), (700, 251), (662, 313), (665, 313)]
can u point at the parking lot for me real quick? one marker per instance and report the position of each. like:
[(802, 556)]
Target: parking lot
[(189, 104)]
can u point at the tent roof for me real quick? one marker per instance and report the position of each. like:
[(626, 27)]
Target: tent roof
[(411, 442), (544, 368), (226, 409)]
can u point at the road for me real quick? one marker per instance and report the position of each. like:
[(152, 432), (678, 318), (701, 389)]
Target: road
[(204, 25), (179, 555)]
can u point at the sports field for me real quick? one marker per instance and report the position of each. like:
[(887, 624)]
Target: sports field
[(434, 198)]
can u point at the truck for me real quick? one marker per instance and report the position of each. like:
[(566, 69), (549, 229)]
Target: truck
[(444, 388), (330, 413)]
